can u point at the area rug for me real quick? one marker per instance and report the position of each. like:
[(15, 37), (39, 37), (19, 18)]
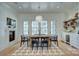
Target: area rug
[(27, 51)]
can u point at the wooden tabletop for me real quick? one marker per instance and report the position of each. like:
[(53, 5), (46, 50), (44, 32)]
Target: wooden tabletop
[(39, 36)]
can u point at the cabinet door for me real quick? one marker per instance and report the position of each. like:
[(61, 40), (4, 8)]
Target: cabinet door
[(77, 40), (75, 45), (64, 38), (72, 39)]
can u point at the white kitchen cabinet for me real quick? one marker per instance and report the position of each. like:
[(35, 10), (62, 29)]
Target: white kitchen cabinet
[(64, 38), (74, 39)]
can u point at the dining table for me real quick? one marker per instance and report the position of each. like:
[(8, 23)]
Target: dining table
[(39, 37)]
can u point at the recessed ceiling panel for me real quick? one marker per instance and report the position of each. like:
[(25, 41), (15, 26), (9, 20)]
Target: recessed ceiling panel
[(42, 6)]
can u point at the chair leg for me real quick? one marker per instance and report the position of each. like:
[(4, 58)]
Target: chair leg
[(57, 43), (32, 47), (37, 47), (23, 42), (27, 43), (42, 46), (20, 44), (47, 46), (51, 44)]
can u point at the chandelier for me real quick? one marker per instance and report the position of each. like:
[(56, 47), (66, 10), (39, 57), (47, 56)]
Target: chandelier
[(39, 18)]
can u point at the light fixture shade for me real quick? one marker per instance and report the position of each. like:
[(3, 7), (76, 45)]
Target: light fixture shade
[(39, 18)]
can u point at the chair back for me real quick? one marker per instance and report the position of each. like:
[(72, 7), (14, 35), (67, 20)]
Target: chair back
[(22, 37), (54, 37)]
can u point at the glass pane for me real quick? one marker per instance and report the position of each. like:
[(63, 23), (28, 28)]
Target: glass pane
[(35, 27), (26, 27), (53, 27), (44, 27)]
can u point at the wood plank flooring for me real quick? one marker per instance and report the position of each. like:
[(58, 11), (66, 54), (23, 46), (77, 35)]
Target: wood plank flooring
[(62, 50)]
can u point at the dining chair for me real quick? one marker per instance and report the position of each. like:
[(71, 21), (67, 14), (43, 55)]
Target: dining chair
[(35, 43), (24, 38), (54, 39), (44, 43)]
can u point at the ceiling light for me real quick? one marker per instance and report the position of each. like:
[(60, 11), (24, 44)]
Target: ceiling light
[(5, 5), (19, 7), (37, 6), (58, 6), (25, 5)]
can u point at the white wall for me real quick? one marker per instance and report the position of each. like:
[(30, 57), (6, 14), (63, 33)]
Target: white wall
[(8, 12), (59, 17), (69, 15), (4, 31)]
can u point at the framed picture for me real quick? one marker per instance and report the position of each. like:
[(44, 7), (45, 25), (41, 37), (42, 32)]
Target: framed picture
[(9, 21), (14, 23)]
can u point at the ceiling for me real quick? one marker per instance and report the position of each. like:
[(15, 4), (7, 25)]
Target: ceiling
[(41, 6)]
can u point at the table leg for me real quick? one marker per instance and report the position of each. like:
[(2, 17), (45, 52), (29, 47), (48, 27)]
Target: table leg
[(49, 42), (30, 43), (57, 42)]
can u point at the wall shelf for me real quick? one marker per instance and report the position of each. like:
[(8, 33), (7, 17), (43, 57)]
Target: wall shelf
[(71, 24)]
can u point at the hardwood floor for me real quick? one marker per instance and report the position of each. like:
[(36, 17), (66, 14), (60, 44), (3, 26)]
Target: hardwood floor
[(68, 49), (65, 48), (9, 50)]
